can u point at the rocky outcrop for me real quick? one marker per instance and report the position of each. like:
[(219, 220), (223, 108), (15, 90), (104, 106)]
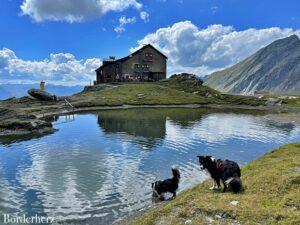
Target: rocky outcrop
[(275, 68), (13, 123), (18, 126), (42, 95), (186, 79)]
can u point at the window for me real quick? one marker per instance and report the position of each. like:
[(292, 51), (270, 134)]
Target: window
[(148, 56), (136, 66)]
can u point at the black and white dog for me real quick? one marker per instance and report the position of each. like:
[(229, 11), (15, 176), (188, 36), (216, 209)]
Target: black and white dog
[(169, 185), (222, 170)]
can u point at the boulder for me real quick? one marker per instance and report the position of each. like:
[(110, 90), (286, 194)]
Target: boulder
[(187, 79), (42, 95)]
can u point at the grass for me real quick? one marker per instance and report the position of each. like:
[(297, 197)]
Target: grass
[(287, 99), (216, 96), (138, 94), (271, 196), (160, 93)]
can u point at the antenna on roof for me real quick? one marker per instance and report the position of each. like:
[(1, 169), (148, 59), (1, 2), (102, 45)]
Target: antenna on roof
[(112, 58)]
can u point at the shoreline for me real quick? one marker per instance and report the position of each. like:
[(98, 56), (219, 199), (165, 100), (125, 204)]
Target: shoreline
[(126, 106), (270, 109), (280, 113)]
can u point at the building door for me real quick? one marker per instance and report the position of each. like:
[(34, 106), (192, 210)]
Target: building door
[(151, 76)]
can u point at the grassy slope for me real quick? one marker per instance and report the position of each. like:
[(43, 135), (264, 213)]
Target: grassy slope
[(271, 196), (138, 94), (165, 93)]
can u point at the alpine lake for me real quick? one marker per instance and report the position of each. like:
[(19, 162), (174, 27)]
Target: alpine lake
[(98, 167)]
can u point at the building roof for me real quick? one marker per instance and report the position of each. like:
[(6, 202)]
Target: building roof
[(132, 54)]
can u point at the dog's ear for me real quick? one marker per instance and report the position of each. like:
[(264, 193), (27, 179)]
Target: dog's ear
[(209, 156), (200, 158)]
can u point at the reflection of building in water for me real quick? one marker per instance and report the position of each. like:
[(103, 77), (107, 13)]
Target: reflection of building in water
[(186, 118), (148, 127)]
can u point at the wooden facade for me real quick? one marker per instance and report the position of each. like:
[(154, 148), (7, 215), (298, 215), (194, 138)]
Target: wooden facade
[(146, 64)]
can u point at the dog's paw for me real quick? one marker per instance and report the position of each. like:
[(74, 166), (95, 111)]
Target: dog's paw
[(214, 188)]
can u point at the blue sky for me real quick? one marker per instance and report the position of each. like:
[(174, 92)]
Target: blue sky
[(199, 36)]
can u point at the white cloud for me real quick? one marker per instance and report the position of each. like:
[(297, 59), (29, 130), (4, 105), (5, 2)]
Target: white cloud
[(62, 57), (203, 51), (74, 10), (145, 16), (123, 21), (60, 68), (5, 55)]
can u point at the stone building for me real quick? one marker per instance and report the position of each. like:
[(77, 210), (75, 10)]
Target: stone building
[(145, 64)]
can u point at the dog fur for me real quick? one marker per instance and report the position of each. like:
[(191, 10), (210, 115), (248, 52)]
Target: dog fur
[(169, 185), (222, 170)]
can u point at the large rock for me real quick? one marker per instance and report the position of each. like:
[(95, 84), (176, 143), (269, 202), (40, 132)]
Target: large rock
[(187, 78), (42, 95)]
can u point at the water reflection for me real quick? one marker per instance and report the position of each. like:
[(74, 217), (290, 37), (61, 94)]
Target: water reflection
[(94, 170), (283, 126), (148, 125), (8, 140)]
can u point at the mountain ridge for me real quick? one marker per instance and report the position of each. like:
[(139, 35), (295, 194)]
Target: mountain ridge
[(19, 90), (274, 68)]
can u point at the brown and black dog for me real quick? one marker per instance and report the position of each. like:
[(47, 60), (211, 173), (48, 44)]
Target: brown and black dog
[(222, 170)]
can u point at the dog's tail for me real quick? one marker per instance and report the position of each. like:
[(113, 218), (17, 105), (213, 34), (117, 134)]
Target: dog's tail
[(235, 184), (176, 173)]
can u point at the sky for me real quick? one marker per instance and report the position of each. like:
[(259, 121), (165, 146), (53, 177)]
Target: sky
[(64, 41)]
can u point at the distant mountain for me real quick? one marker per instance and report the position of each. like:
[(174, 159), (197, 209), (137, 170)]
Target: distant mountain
[(274, 68), (19, 90)]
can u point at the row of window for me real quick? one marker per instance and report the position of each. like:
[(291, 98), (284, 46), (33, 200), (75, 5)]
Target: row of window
[(148, 55), (138, 66)]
